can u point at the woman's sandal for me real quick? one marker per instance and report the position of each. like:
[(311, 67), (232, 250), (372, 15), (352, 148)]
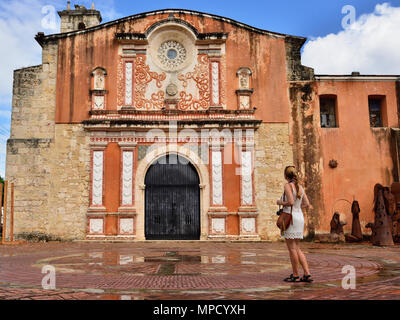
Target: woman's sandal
[(306, 278), (292, 279)]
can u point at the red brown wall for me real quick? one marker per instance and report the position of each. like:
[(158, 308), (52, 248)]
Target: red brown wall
[(363, 153), (80, 54)]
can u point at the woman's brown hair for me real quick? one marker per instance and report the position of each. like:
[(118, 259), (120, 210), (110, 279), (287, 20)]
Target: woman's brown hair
[(291, 174)]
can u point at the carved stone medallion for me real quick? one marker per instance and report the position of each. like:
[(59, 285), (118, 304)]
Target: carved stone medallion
[(172, 90)]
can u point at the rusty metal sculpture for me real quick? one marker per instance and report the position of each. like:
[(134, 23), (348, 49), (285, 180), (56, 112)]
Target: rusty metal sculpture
[(382, 227), (356, 233)]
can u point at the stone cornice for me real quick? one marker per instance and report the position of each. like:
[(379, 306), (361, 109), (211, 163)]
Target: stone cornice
[(42, 39)]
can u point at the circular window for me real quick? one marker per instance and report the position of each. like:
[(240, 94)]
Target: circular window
[(171, 55)]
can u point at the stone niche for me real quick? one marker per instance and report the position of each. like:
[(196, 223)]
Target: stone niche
[(244, 92)]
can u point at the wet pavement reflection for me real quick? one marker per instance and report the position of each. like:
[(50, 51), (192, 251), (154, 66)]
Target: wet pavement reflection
[(179, 271)]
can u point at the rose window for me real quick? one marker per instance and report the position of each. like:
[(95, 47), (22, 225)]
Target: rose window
[(171, 55)]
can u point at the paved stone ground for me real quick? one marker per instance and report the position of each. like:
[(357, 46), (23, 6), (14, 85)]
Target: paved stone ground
[(188, 270)]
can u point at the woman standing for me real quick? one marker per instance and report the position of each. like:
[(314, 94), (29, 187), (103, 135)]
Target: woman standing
[(293, 201)]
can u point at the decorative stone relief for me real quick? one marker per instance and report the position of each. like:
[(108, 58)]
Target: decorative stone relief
[(244, 92), (96, 226), (143, 76), (97, 187), (98, 91), (126, 226), (99, 82), (244, 78), (215, 83), (128, 83), (244, 102), (98, 103), (201, 77), (217, 177), (247, 178), (127, 173), (218, 225), (248, 225)]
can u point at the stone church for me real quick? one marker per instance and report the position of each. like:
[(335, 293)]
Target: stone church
[(177, 125)]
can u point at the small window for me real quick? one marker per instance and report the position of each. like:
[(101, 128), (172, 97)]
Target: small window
[(328, 112), (375, 112), (81, 26)]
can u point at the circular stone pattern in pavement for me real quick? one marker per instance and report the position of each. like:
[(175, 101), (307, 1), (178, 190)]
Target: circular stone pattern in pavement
[(154, 266)]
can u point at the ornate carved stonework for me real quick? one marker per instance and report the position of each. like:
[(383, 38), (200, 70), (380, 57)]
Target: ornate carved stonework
[(171, 55), (126, 226), (244, 78), (244, 102), (200, 76), (247, 180), (217, 177), (128, 83), (98, 103), (248, 225), (215, 83), (172, 90), (97, 187), (96, 226), (218, 225), (143, 76), (99, 82), (127, 174)]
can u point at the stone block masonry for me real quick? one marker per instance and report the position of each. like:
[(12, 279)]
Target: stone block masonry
[(272, 154)]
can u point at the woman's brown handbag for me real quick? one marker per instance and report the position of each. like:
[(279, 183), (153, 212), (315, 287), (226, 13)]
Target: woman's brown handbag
[(285, 219)]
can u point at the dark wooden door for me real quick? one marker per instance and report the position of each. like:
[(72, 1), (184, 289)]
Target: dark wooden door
[(172, 195)]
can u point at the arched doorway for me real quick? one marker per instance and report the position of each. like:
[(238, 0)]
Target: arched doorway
[(172, 200)]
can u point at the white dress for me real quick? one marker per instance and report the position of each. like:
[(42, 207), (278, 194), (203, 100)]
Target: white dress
[(295, 230)]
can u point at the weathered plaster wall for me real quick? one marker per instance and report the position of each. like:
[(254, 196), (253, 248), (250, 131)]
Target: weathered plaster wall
[(81, 53), (363, 153)]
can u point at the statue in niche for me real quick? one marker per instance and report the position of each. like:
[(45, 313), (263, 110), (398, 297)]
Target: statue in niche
[(356, 233), (99, 81), (382, 226), (244, 81), (244, 78)]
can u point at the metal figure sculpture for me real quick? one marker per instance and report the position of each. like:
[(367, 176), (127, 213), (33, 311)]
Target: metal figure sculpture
[(356, 233)]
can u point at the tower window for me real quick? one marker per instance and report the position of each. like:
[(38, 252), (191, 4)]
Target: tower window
[(328, 112), (81, 26), (375, 112)]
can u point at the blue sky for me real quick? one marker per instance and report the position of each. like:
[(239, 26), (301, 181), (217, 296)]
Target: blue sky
[(370, 45)]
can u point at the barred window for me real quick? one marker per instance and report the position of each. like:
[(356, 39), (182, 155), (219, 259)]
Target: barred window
[(328, 112), (375, 112)]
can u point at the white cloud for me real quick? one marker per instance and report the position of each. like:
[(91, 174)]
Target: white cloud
[(371, 45), (20, 21)]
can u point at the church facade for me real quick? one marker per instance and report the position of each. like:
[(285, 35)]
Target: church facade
[(177, 125)]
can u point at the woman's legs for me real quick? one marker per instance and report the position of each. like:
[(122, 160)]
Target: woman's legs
[(293, 253), (302, 259)]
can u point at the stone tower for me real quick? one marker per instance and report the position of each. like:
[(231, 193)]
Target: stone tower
[(79, 19)]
